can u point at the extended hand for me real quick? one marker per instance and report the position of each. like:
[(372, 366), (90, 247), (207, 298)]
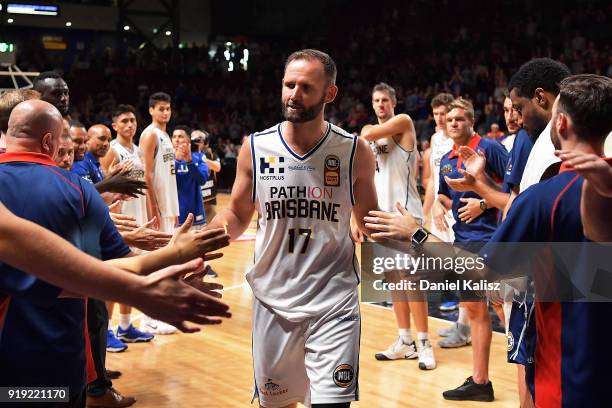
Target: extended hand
[(197, 281), (398, 227), (146, 238), (193, 244), (122, 184), (124, 223), (168, 297)]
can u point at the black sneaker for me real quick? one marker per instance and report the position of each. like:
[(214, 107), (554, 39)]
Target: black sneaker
[(470, 391), (210, 272)]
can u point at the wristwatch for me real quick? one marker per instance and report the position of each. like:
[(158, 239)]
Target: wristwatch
[(483, 205), (419, 237)]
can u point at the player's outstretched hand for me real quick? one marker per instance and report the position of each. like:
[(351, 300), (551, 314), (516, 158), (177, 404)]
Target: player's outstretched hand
[(593, 168), (398, 227), (192, 244), (166, 296), (470, 211), (124, 223), (196, 280), (146, 238), (122, 184)]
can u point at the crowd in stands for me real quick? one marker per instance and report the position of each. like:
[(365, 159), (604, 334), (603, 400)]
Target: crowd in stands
[(470, 51)]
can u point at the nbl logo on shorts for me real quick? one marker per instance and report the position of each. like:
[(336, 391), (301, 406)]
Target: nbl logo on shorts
[(344, 375), (271, 165)]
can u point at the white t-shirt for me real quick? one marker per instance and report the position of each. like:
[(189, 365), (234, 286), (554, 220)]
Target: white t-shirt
[(542, 156)]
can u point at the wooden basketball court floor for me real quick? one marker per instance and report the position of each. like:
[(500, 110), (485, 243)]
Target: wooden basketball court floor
[(213, 368)]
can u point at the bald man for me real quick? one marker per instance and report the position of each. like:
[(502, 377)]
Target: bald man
[(98, 143)]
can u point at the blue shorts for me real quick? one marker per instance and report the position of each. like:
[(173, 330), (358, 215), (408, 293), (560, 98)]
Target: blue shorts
[(522, 339)]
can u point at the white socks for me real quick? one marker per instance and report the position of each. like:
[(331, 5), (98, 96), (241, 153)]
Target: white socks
[(124, 321), (423, 338), (406, 336), (463, 317)]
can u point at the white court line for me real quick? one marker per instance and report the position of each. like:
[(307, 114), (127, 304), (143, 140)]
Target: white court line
[(429, 317), (233, 287)]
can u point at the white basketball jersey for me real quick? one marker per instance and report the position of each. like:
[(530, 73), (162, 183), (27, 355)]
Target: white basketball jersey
[(396, 177), (440, 145), (304, 256), (542, 156), (135, 207), (164, 174)]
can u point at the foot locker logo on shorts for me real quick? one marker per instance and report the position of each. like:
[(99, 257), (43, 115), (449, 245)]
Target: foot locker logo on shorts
[(344, 375), (272, 389)]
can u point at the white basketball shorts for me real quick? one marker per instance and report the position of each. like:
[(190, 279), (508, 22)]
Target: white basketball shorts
[(315, 361)]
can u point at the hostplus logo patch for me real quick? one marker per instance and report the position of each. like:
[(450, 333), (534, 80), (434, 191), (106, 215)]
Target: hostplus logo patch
[(272, 168)]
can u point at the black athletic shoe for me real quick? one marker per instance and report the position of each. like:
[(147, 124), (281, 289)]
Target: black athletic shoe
[(112, 374), (470, 391)]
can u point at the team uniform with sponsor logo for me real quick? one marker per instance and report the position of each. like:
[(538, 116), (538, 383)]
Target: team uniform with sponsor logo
[(164, 180), (440, 145), (395, 177), (306, 320), (135, 207), (572, 347), (483, 227)]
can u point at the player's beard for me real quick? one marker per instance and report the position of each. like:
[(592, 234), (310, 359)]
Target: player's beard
[(305, 114)]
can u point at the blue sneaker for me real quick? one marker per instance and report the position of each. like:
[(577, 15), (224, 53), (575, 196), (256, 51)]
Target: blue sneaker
[(113, 344), (133, 335), (449, 306)]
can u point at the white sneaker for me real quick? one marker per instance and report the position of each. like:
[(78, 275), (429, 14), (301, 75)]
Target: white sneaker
[(427, 361), (398, 350), (153, 326)]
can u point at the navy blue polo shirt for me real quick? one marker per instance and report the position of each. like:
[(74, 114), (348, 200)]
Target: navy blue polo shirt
[(572, 366), (89, 168), (189, 181), (483, 227), (517, 160), (43, 339)]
